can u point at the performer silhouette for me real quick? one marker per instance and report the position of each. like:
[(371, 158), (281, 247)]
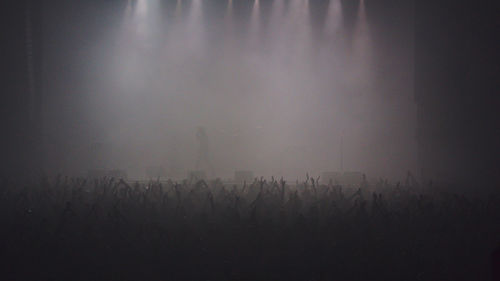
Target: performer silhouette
[(203, 159)]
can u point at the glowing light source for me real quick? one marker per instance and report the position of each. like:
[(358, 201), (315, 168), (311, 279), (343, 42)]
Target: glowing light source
[(298, 30), (254, 28), (128, 9), (361, 48), (229, 11), (331, 47), (276, 17), (228, 28), (141, 7), (195, 30), (229, 17), (178, 9), (334, 19)]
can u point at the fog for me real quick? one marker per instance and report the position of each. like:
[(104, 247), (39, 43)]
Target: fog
[(281, 88)]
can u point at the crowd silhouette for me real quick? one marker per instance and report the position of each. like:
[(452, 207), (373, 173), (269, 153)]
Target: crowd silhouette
[(109, 229)]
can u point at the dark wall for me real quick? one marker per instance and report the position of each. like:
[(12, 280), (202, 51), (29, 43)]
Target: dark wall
[(456, 90), (20, 104)]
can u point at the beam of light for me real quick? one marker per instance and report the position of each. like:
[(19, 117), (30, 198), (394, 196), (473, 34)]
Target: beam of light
[(298, 32), (333, 22), (361, 39), (145, 21), (195, 14), (329, 55), (141, 8), (140, 19), (229, 10), (177, 35), (254, 28), (361, 29), (194, 28), (228, 28), (275, 32), (139, 37), (361, 48), (304, 35), (128, 10), (228, 18), (127, 20), (178, 10)]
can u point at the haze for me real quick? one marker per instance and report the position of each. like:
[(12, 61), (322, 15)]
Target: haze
[(276, 84)]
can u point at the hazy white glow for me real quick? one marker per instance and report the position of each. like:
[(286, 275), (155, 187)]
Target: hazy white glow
[(141, 19), (178, 9), (333, 40), (254, 29), (229, 18), (229, 10), (304, 40), (276, 23), (195, 27), (361, 48), (128, 10), (362, 32), (269, 101), (141, 8), (334, 19), (247, 99)]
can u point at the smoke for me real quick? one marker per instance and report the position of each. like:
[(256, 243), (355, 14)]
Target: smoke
[(273, 98)]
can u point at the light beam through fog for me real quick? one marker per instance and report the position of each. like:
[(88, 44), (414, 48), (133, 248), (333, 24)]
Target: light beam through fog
[(228, 32), (361, 47), (194, 29), (272, 98), (254, 29), (178, 9), (333, 22)]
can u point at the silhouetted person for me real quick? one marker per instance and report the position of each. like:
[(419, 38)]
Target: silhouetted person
[(203, 159)]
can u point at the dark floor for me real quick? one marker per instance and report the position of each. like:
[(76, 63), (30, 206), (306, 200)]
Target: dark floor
[(72, 229)]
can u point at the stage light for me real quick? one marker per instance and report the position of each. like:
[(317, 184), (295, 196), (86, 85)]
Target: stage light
[(254, 28), (361, 48), (229, 11), (178, 9), (141, 8), (334, 19)]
